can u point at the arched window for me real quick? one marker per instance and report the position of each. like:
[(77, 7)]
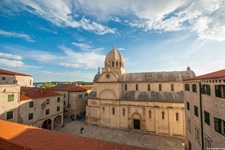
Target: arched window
[(160, 87), (136, 87), (163, 115), (149, 87), (150, 114), (123, 111), (113, 111), (117, 64), (112, 63), (172, 87), (177, 116), (125, 87), (120, 64)]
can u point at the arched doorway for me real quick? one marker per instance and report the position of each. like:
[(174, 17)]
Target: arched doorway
[(57, 122), (136, 121), (47, 124)]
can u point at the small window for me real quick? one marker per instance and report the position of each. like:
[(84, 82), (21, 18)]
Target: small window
[(10, 97), (117, 64), (47, 111), (86, 102), (177, 116), (58, 108), (113, 111), (163, 115), (194, 88), (220, 91), (125, 86), (64, 95), (187, 88), (217, 125), (3, 78), (197, 134), (80, 96), (207, 117), (136, 87), (86, 94), (189, 124), (196, 110), (150, 114), (120, 64), (47, 101), (123, 111), (172, 87), (205, 89), (31, 104), (112, 63), (160, 87), (207, 143), (188, 106), (9, 115), (149, 88), (30, 116), (58, 99)]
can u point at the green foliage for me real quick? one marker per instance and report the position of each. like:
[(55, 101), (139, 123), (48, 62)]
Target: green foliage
[(47, 85)]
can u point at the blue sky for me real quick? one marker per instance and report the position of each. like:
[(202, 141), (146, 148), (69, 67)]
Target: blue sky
[(66, 40)]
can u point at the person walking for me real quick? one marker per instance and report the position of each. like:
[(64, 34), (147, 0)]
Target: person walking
[(81, 130)]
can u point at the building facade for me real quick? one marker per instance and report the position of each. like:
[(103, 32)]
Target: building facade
[(150, 101), (74, 99), (204, 109)]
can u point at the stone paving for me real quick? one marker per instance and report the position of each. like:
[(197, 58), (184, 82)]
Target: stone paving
[(134, 138)]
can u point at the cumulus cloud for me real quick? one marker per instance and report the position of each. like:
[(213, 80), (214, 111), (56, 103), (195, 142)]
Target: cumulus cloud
[(16, 35), (82, 45)]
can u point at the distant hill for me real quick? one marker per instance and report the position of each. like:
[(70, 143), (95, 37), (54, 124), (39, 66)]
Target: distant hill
[(39, 84)]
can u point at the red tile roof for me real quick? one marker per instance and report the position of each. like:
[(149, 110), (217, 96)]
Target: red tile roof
[(41, 139), (7, 72), (213, 75), (8, 145), (27, 93), (71, 87)]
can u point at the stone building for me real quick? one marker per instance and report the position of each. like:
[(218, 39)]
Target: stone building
[(74, 98), (41, 108), (205, 113), (148, 101), (10, 77)]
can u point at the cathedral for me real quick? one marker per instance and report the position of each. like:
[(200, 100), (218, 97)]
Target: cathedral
[(149, 102)]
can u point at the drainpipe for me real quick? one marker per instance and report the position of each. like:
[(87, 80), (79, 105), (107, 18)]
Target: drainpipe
[(201, 118)]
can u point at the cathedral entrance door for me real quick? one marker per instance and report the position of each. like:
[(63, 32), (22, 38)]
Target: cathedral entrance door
[(136, 124)]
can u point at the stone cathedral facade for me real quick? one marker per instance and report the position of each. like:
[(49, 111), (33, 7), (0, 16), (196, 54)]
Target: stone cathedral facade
[(149, 101)]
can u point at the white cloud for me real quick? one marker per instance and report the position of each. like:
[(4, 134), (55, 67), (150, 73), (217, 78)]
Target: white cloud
[(82, 45), (11, 56), (60, 13), (121, 49), (116, 19), (11, 63), (16, 35)]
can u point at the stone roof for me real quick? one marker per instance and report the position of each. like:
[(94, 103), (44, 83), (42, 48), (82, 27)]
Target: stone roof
[(177, 97), (113, 55), (41, 139), (157, 76)]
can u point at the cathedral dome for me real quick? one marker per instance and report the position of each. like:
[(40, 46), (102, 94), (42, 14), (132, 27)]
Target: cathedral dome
[(113, 55)]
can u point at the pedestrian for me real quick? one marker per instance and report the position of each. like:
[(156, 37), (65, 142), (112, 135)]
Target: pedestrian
[(81, 130)]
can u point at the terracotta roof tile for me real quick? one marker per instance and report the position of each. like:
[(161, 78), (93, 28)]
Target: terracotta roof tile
[(27, 93), (7, 72), (213, 75), (41, 139), (8, 145), (71, 87)]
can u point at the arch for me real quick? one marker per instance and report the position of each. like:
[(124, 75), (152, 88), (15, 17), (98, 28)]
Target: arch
[(57, 122), (108, 94), (47, 124), (136, 121)]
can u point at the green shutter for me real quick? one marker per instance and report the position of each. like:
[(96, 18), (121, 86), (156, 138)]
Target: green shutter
[(217, 91), (196, 110), (10, 98), (9, 115), (207, 117)]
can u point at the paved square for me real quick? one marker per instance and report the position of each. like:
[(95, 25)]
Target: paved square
[(134, 138)]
